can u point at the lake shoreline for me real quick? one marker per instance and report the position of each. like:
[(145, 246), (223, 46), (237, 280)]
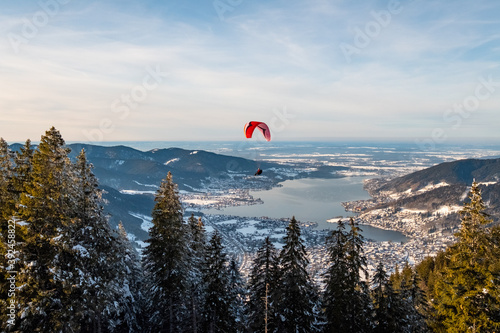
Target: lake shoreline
[(312, 201)]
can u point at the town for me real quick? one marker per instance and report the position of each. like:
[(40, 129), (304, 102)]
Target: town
[(243, 235)]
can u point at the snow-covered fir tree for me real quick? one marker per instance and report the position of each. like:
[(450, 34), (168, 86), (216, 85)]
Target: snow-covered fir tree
[(380, 299), (106, 265), (216, 312), (262, 294), (23, 168), (68, 254), (7, 173), (46, 273), (335, 277), (236, 294), (197, 242), (15, 174), (388, 311), (128, 283), (92, 243), (346, 298), (6, 208), (166, 262), (298, 302)]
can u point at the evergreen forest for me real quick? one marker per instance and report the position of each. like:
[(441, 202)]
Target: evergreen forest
[(64, 269)]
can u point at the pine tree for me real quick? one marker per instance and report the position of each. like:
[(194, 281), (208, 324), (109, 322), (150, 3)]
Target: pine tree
[(359, 305), (468, 296), (197, 243), (429, 271), (335, 277), (166, 261), (70, 278), (15, 178), (236, 294), (8, 237), (91, 254), (48, 193), (381, 294), (104, 263), (46, 273), (398, 304), (23, 168), (263, 285), (216, 309), (128, 283), (396, 278), (297, 307), (412, 305), (346, 297), (197, 237), (7, 199)]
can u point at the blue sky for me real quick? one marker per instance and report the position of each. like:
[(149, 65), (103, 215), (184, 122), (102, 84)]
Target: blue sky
[(426, 71)]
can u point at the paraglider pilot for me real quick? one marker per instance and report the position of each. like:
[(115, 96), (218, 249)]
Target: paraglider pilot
[(263, 128)]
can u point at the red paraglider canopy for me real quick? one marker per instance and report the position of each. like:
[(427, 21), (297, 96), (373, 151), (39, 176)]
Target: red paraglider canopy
[(251, 126)]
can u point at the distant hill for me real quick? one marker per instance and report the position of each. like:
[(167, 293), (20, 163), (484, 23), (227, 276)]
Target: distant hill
[(123, 170), (452, 173), (123, 167), (130, 177), (119, 206), (445, 184)]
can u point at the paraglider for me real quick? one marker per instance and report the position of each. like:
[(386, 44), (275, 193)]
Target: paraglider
[(251, 126), (263, 128)]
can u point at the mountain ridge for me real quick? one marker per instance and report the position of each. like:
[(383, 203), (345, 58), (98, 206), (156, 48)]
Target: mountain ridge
[(443, 185), (455, 172)]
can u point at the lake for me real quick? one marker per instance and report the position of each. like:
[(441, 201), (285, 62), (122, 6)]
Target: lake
[(313, 200)]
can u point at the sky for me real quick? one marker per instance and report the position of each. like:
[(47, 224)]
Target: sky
[(424, 71)]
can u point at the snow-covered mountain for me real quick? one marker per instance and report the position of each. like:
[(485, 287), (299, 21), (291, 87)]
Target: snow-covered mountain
[(130, 177), (450, 173), (125, 168), (436, 190)]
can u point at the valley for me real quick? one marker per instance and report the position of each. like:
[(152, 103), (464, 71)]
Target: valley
[(425, 211)]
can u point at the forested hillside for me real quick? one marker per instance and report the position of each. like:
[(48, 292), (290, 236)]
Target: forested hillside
[(65, 270)]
